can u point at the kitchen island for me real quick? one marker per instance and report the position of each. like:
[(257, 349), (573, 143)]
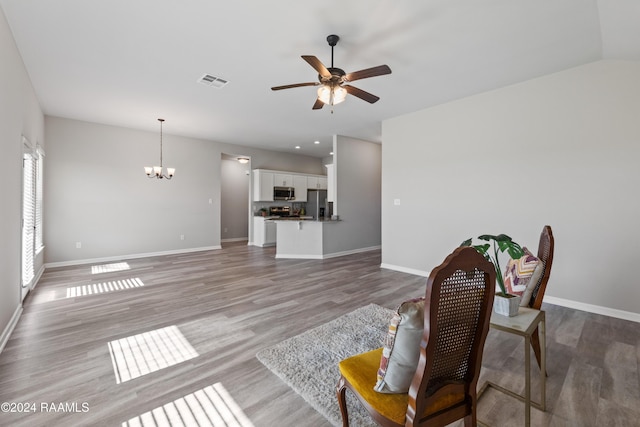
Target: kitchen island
[(306, 238)]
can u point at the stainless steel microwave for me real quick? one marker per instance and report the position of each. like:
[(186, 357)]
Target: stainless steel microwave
[(284, 193)]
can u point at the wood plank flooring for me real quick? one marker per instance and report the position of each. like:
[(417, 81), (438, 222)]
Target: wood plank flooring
[(230, 303)]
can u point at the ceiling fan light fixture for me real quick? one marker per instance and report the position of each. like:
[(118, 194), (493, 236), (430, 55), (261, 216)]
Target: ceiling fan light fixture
[(339, 94), (332, 94)]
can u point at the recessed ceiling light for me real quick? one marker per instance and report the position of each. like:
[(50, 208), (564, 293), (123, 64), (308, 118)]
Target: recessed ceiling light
[(297, 147), (316, 142), (331, 153)]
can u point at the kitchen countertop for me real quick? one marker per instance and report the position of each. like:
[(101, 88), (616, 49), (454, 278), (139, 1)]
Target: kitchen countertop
[(301, 218)]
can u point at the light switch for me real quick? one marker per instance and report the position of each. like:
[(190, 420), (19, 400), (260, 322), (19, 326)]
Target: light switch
[(396, 202)]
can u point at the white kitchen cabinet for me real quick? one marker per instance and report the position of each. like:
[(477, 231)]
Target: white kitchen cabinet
[(322, 183), (263, 186), (283, 180), (300, 187), (312, 182), (264, 232), (264, 181), (316, 182)]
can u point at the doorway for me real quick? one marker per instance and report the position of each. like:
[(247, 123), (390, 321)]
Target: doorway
[(235, 180)]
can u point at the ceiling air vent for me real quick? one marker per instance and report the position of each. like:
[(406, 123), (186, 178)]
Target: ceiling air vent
[(214, 81)]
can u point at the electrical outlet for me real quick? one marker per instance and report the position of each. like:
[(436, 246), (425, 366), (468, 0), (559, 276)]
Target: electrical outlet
[(182, 237), (225, 229), (78, 245)]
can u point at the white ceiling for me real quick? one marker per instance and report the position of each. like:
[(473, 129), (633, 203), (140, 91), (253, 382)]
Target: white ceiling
[(127, 63)]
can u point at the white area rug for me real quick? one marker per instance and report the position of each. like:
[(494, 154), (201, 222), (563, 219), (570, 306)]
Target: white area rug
[(308, 362)]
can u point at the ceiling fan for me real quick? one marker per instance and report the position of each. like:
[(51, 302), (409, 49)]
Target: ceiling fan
[(332, 89)]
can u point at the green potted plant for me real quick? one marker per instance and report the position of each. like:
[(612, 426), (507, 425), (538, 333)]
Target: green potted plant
[(263, 211), (504, 303)]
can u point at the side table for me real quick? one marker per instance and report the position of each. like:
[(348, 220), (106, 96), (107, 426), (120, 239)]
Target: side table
[(524, 324)]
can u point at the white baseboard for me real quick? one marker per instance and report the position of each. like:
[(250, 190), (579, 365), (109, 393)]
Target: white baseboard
[(131, 256), (297, 256), (405, 270), (327, 256), (265, 245), (10, 327), (351, 252), (36, 279), (591, 308)]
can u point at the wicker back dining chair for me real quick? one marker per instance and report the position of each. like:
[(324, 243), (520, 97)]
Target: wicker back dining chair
[(457, 310), (545, 254)]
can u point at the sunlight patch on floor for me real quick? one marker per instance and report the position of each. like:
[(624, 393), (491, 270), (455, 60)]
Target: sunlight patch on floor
[(102, 288), (148, 352), (211, 406), (109, 268)]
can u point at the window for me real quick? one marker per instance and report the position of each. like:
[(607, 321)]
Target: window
[(38, 213), (32, 242)]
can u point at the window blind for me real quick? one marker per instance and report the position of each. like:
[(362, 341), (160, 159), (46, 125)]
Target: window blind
[(28, 218), (39, 243)]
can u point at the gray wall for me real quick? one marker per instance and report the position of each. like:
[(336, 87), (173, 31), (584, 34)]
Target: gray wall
[(357, 166), (561, 150), (97, 192), (20, 114)]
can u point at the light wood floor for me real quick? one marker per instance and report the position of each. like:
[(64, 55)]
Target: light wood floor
[(233, 302)]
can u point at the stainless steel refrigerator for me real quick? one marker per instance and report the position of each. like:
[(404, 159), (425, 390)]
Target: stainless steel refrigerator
[(317, 203)]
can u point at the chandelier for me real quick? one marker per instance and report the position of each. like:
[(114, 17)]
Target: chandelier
[(156, 171)]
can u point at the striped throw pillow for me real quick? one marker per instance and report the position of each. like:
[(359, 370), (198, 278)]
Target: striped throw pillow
[(401, 350), (522, 275)]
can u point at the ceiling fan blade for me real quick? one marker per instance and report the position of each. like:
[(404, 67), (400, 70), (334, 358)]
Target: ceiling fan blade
[(380, 70), (317, 65), (366, 96), (295, 85), (318, 104)]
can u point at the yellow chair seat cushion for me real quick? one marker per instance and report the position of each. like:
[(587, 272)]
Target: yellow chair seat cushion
[(361, 372)]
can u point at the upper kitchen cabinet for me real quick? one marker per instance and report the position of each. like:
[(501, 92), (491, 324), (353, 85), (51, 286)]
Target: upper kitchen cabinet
[(265, 180), (316, 183), (263, 183), (300, 186), (283, 180)]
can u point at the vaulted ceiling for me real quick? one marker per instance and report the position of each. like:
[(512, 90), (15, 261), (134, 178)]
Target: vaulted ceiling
[(127, 63)]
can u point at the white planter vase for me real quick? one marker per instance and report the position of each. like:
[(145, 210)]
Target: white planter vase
[(507, 306)]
